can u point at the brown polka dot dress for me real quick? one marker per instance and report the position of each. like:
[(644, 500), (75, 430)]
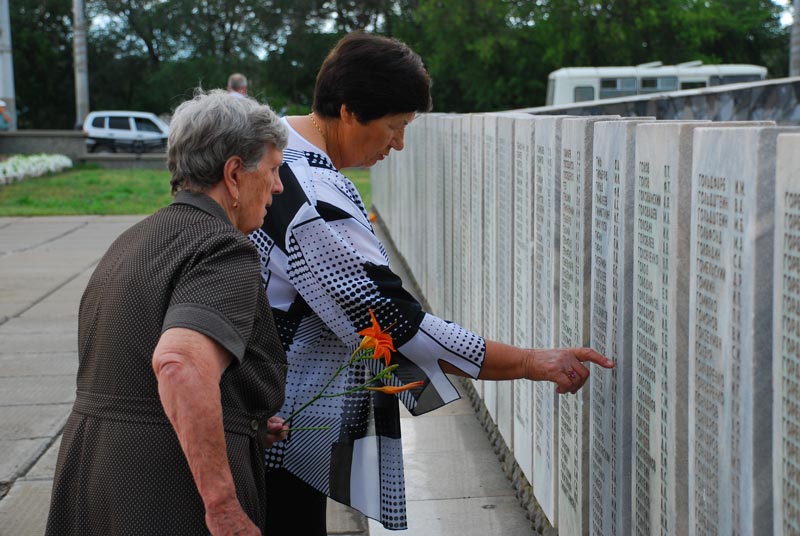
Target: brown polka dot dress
[(121, 469)]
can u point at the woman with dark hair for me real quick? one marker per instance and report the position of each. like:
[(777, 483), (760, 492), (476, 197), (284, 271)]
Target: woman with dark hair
[(326, 274)]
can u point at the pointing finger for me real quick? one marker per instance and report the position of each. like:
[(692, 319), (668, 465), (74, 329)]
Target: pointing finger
[(587, 354)]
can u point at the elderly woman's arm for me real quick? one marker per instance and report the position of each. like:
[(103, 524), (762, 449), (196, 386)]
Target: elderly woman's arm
[(188, 366)]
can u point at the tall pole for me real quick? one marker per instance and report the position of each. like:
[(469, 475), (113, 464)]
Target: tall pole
[(794, 54), (7, 65), (81, 63)]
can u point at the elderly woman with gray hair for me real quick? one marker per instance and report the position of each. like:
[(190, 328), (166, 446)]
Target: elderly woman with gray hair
[(180, 365)]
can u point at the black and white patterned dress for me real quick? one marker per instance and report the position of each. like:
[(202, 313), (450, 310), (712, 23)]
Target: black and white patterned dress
[(323, 269), (121, 469)]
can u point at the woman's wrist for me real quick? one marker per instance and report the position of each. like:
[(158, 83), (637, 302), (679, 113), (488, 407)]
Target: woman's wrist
[(530, 364)]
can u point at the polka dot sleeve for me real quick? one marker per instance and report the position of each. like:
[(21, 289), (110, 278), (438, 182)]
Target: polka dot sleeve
[(338, 266)]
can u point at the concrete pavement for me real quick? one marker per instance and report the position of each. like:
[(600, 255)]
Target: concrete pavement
[(455, 484)]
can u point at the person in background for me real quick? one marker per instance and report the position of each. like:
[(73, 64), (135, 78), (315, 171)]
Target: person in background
[(237, 85), (326, 273), (180, 365), (5, 118)]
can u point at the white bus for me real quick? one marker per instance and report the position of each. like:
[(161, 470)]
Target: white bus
[(577, 84)]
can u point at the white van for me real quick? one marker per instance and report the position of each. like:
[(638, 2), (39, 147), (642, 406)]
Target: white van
[(124, 131), (578, 84)]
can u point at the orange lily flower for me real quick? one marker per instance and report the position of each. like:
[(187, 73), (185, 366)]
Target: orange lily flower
[(380, 342), (392, 390)]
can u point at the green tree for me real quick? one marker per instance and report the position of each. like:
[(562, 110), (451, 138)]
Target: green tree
[(482, 54), (497, 54), (42, 51), (468, 47)]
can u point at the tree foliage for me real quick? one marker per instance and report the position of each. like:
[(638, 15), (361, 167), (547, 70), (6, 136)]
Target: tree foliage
[(42, 44), (482, 54)]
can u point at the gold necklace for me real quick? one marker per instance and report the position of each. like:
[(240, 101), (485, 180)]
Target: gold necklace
[(311, 115)]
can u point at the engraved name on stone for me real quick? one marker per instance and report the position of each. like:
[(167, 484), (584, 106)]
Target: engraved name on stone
[(488, 263), (522, 230), (661, 215), (786, 339), (730, 330), (457, 220), (573, 327), (610, 433), (547, 221), (503, 254), (448, 244), (476, 226), (465, 235)]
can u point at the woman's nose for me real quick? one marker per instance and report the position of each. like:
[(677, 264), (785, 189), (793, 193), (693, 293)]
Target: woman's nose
[(277, 186), (398, 142)]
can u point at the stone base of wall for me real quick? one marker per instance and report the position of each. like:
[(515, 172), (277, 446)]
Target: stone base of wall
[(72, 143), (125, 160)]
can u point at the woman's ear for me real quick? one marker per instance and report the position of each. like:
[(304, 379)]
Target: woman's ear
[(230, 173), (346, 115)]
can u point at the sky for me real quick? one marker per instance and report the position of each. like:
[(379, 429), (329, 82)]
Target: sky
[(787, 16)]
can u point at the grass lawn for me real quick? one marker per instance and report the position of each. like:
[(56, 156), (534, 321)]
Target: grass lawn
[(91, 190)]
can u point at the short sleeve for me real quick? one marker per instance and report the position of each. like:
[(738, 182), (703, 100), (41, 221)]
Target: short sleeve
[(217, 290)]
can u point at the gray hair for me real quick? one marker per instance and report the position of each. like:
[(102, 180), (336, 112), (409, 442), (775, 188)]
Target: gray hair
[(212, 127)]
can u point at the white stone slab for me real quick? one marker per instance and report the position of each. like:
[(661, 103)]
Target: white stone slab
[(577, 137), (491, 181), (476, 223), (459, 219), (404, 169), (447, 246), (502, 309), (466, 227), (786, 339), (662, 201), (436, 281), (426, 160), (547, 221), (523, 230), (411, 236), (522, 283), (610, 326), (660, 332), (475, 245), (730, 330), (504, 235), (488, 282)]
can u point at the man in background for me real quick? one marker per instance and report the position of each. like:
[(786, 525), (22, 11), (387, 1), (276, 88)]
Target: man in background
[(237, 85)]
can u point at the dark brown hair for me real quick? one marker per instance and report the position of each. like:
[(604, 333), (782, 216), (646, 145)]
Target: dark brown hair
[(373, 76)]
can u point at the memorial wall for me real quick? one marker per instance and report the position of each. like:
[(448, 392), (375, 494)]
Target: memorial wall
[(672, 247)]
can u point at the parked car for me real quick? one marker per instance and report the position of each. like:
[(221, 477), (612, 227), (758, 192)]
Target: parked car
[(124, 131)]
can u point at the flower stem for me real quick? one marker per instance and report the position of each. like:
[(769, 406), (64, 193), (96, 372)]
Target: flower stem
[(382, 374), (320, 394)]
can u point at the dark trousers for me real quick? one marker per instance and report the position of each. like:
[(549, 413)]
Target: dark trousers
[(287, 494)]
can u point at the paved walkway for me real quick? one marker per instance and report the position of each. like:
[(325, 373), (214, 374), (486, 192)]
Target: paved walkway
[(455, 485)]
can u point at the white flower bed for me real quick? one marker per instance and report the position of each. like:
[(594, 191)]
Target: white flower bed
[(21, 167)]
